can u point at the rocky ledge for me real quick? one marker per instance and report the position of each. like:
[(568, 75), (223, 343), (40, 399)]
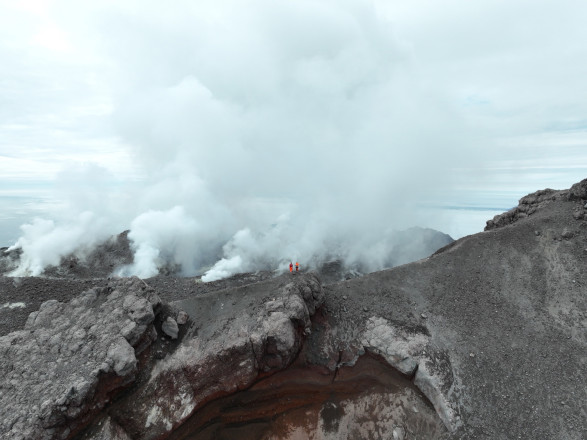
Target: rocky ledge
[(72, 357), (529, 204)]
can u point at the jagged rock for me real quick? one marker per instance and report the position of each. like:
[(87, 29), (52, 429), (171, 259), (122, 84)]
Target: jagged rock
[(229, 351), (60, 369), (578, 191), (100, 261), (526, 207), (170, 327), (121, 356), (412, 354)]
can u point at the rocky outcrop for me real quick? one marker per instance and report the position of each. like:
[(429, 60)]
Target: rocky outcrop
[(99, 261), (9, 259), (413, 354), (71, 358), (225, 351), (528, 205), (578, 191)]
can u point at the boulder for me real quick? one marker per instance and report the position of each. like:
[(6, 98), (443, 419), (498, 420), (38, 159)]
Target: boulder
[(182, 317), (71, 358), (170, 328), (226, 352), (578, 191)]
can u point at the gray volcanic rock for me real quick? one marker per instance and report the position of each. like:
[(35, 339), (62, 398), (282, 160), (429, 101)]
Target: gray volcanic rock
[(578, 191), (414, 244), (170, 327), (226, 351), (182, 317), (60, 370), (71, 358), (509, 308), (484, 339), (528, 205)]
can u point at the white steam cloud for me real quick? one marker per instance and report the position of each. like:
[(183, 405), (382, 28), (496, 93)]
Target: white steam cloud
[(265, 132), (43, 243)]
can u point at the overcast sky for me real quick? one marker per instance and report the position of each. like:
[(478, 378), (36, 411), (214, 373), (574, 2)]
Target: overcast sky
[(225, 119)]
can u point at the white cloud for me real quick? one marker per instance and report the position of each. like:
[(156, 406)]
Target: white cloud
[(274, 130)]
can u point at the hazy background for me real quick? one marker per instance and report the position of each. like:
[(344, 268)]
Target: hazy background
[(240, 134)]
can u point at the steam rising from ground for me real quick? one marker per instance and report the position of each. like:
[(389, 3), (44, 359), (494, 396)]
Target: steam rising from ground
[(266, 132)]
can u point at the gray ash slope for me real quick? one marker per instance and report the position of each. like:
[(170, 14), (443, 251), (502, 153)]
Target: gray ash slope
[(491, 329), (510, 307)]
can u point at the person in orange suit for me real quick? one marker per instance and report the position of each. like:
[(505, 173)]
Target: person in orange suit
[(297, 266), (290, 267)]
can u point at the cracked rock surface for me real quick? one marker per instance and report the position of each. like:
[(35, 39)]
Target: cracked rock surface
[(224, 351), (60, 369)]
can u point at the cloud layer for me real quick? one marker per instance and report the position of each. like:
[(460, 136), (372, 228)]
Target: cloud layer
[(269, 131)]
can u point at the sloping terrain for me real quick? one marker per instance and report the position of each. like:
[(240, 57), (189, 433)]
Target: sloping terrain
[(484, 339), (509, 307)]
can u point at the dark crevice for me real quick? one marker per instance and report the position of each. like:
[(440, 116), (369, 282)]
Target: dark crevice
[(413, 373)]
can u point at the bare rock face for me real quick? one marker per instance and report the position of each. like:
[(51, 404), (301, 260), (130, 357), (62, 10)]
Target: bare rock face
[(72, 358), (413, 354), (578, 191), (225, 351), (64, 366), (527, 206)]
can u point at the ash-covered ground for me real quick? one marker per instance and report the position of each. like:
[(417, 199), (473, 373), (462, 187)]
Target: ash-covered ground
[(486, 338)]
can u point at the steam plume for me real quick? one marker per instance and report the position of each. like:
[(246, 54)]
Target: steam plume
[(265, 132)]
